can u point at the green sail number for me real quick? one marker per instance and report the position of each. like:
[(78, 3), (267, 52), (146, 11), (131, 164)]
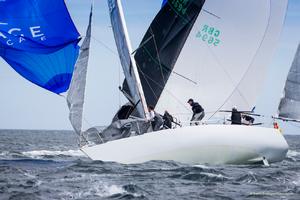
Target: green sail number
[(210, 35), (180, 6)]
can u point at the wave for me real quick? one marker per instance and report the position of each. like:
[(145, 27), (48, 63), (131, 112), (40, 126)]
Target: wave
[(47, 153), (110, 191), (4, 153), (292, 153), (297, 182)]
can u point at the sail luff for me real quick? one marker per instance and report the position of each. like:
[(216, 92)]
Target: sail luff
[(76, 93)]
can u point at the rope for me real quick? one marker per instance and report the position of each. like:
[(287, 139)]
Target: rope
[(105, 46)]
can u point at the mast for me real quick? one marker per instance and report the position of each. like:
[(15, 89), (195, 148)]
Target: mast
[(123, 41)]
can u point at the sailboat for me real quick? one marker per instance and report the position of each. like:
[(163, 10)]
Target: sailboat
[(200, 49), (212, 51)]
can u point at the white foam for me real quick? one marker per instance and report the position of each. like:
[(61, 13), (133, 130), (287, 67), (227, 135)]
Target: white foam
[(296, 182), (220, 176), (101, 191), (112, 190), (202, 166), (41, 153), (292, 153), (4, 153)]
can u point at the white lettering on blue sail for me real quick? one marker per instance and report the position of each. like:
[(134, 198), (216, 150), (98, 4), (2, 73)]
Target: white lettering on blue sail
[(11, 31), (2, 35), (35, 32), (9, 43)]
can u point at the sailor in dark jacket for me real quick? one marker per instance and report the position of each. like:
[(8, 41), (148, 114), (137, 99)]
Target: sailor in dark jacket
[(236, 117), (168, 119), (198, 112)]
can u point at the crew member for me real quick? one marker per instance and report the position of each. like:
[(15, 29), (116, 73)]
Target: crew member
[(155, 119), (168, 119), (248, 120), (198, 112), (236, 117)]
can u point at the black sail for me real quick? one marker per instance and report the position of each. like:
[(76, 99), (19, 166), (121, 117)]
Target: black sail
[(162, 44)]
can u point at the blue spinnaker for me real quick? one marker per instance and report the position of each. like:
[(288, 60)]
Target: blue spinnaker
[(40, 41)]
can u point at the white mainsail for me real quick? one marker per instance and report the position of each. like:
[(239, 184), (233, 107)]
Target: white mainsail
[(76, 93), (225, 57), (125, 53), (289, 106)]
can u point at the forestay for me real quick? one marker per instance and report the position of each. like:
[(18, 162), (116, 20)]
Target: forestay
[(224, 60), (76, 93), (289, 106), (39, 40)]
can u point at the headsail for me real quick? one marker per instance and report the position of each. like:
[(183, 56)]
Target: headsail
[(224, 59), (76, 93), (289, 106), (39, 40), (125, 54)]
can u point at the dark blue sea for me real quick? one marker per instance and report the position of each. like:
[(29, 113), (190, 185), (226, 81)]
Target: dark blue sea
[(48, 165)]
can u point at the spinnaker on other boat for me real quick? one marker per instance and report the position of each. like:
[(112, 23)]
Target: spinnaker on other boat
[(289, 106)]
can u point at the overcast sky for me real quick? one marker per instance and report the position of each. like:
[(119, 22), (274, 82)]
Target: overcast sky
[(26, 106)]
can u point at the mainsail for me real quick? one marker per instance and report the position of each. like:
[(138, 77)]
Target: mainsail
[(223, 61), (39, 41), (76, 93), (125, 53), (289, 106)]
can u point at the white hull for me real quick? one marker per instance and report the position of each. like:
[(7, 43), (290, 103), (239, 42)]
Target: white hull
[(211, 144)]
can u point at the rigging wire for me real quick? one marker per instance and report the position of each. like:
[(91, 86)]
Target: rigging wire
[(105, 46), (157, 55), (162, 87)]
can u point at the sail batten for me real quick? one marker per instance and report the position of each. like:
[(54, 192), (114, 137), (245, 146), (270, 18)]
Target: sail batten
[(289, 106)]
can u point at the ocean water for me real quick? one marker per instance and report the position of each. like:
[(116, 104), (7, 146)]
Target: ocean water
[(48, 165)]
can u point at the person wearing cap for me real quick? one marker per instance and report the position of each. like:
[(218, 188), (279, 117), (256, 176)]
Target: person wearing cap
[(198, 112), (236, 117)]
